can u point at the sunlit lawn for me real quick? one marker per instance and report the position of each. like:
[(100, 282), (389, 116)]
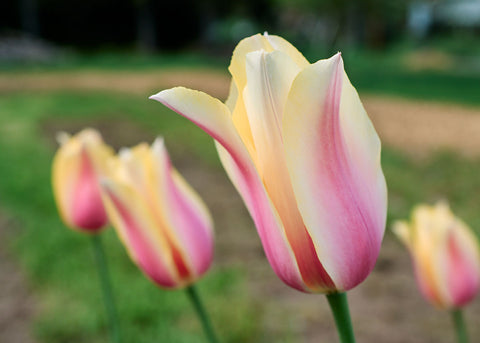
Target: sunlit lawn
[(58, 262)]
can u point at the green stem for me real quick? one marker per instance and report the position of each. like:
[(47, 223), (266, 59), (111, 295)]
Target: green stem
[(105, 282), (339, 306), (460, 328), (202, 314)]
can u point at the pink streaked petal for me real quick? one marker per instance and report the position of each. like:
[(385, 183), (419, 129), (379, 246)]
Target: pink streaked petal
[(150, 257), (86, 206), (342, 199), (185, 212), (269, 77), (463, 278), (214, 118), (267, 221)]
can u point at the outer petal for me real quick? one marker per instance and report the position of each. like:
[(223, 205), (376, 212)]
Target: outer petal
[(77, 166), (333, 156), (87, 208), (463, 267), (269, 77), (425, 273), (184, 212), (139, 231), (238, 70), (65, 173), (214, 118), (141, 171)]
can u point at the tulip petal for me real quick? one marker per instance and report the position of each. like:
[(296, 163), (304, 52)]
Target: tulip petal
[(463, 266), (214, 118), (269, 76), (184, 211), (333, 156), (237, 69), (65, 170), (87, 208), (138, 230)]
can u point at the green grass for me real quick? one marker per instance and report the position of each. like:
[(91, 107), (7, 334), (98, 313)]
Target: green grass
[(376, 72), (117, 61)]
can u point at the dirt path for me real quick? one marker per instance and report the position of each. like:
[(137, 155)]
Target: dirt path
[(415, 127), (16, 303)]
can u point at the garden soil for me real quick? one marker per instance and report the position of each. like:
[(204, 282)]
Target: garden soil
[(385, 308)]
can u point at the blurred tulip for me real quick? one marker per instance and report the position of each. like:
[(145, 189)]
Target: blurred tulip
[(445, 255), (162, 222), (298, 145), (77, 168)]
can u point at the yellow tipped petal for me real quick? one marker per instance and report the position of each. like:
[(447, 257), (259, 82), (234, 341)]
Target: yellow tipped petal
[(445, 254)]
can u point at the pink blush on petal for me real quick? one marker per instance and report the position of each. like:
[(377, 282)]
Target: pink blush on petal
[(87, 207), (142, 250), (463, 281)]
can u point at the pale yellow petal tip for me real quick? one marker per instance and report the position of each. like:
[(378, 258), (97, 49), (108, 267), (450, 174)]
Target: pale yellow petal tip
[(62, 137), (158, 143), (90, 136), (125, 153), (160, 96), (402, 230)]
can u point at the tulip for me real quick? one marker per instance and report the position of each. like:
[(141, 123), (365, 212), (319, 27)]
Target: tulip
[(446, 259), (162, 222), (445, 254), (299, 147), (77, 168)]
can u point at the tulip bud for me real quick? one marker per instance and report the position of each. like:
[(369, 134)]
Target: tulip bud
[(164, 225), (299, 147), (77, 168), (445, 254)]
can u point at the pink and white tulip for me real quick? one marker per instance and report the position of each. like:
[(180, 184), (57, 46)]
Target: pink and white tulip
[(298, 145), (162, 222), (445, 254), (77, 167)]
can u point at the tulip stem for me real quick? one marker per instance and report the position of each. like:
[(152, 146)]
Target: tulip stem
[(460, 327), (202, 314), (339, 305), (105, 282)]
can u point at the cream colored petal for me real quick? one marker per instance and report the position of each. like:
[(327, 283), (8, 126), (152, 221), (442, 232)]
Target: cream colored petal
[(140, 232), (335, 171)]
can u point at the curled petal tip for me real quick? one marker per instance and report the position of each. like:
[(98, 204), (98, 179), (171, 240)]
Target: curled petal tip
[(159, 143), (62, 137), (125, 152)]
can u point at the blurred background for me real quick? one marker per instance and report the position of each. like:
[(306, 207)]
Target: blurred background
[(66, 65)]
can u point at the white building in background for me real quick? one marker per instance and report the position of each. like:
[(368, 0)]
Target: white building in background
[(454, 13)]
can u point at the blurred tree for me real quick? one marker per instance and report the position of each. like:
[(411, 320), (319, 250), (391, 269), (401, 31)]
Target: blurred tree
[(369, 22), (146, 33), (29, 17)]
